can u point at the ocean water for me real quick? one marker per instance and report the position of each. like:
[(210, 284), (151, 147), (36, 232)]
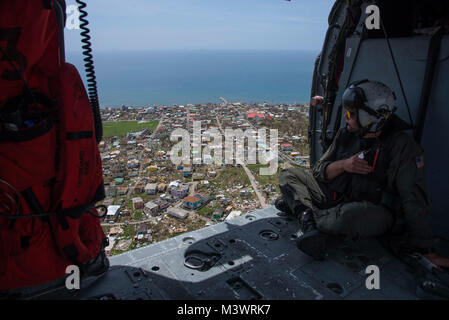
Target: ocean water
[(181, 77)]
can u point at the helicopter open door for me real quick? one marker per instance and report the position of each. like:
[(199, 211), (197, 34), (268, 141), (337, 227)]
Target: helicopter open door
[(411, 57)]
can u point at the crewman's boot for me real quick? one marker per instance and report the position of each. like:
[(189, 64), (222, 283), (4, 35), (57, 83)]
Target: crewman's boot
[(310, 241), (97, 266), (282, 205)]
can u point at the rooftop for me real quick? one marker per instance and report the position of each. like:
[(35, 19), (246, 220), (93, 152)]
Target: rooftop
[(191, 199)]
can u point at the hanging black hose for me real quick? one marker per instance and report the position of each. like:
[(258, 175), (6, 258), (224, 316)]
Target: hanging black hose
[(90, 70), (387, 40)]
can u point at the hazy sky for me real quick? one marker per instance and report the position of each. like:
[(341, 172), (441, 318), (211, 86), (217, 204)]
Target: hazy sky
[(204, 24)]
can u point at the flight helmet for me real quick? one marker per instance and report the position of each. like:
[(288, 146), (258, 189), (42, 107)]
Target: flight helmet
[(372, 102)]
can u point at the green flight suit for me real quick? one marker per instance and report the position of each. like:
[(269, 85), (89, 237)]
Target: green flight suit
[(403, 195)]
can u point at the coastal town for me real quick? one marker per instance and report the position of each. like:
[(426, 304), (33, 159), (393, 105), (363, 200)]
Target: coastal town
[(151, 198)]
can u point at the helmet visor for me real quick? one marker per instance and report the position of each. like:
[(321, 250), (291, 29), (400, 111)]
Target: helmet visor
[(350, 100)]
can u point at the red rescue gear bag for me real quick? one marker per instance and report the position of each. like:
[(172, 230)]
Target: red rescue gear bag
[(50, 166)]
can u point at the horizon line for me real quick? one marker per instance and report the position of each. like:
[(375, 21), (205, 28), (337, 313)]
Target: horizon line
[(195, 49)]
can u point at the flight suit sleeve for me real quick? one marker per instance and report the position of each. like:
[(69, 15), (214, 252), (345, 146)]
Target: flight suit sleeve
[(319, 169), (407, 157)]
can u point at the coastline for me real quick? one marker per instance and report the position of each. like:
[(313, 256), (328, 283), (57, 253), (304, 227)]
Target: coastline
[(167, 77)]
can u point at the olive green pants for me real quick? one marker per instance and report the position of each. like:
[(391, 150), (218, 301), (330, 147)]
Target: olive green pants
[(355, 219)]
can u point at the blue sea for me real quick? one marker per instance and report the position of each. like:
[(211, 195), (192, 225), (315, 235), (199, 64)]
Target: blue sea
[(183, 77)]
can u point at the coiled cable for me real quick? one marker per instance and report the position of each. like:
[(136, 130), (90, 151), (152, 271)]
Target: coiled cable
[(90, 70), (9, 198)]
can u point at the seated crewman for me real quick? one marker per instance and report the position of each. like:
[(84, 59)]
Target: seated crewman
[(370, 176)]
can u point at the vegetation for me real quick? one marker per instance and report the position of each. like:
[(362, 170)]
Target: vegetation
[(129, 204), (195, 225), (115, 252), (121, 128), (138, 215), (231, 177), (265, 180), (129, 232), (207, 211)]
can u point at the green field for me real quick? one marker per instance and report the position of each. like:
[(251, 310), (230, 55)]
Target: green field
[(230, 177), (265, 179), (121, 128)]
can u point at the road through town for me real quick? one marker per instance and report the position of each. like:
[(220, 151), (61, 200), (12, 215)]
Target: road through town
[(251, 178)]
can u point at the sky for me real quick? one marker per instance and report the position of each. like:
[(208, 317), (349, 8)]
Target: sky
[(135, 25)]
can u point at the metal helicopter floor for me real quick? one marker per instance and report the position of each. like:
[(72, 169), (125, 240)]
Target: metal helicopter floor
[(251, 257)]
